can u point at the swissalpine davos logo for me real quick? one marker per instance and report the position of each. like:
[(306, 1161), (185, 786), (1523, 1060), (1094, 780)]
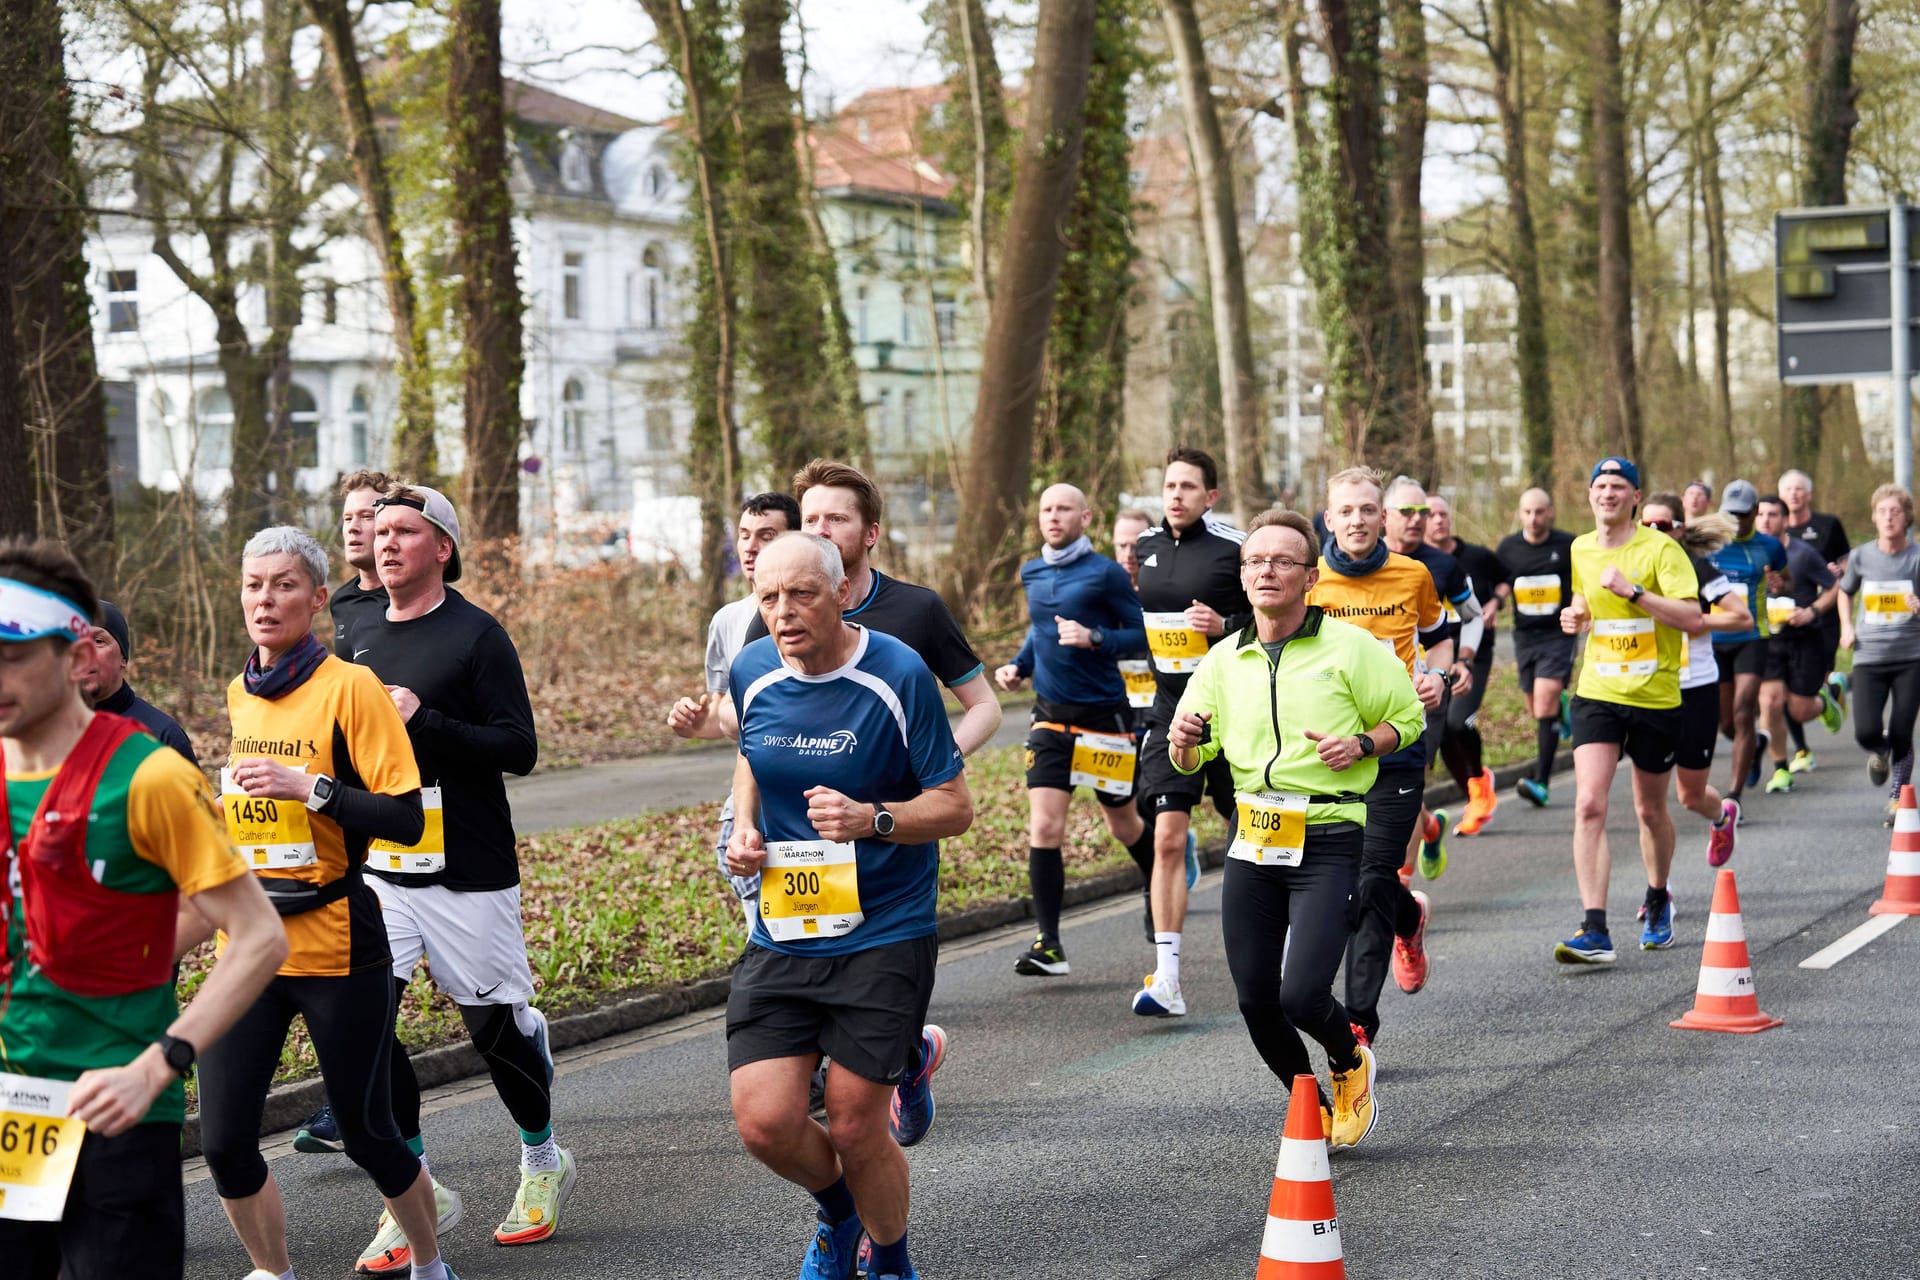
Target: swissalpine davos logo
[(839, 742)]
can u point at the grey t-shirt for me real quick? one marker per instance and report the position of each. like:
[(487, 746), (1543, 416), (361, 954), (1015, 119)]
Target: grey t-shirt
[(1885, 630)]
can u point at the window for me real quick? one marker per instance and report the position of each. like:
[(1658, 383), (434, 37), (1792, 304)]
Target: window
[(903, 238), (946, 319), (1442, 308), (882, 424), (123, 301), (213, 430), (304, 418), (576, 167), (909, 318), (909, 418), (1443, 375), (359, 423), (653, 311), (655, 183), (573, 417), (329, 302), (573, 273), (659, 417), (860, 315)]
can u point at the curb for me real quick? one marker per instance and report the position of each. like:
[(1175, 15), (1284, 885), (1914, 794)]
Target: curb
[(288, 1105)]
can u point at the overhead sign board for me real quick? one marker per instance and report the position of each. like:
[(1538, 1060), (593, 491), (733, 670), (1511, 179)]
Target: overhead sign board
[(1834, 291)]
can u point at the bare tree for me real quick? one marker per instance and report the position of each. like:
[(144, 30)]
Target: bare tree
[(1620, 407), (16, 492), (1406, 233)]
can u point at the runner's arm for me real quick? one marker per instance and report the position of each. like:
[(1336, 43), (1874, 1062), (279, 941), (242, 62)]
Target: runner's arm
[(980, 721), (1846, 619), (503, 738), (938, 813)]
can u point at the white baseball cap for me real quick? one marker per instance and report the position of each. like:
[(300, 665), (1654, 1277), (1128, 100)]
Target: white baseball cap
[(434, 507)]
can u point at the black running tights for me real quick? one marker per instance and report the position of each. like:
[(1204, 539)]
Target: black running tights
[(1874, 686)]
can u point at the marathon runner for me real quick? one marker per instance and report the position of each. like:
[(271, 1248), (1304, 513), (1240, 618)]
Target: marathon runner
[(1795, 688), (1697, 499), (1190, 596), (1635, 593), (361, 597), (93, 1045), (106, 689), (1883, 576), (319, 766), (1825, 534), (848, 777), (1742, 655), (763, 517), (1460, 745), (1539, 565), (1722, 610), (1392, 597), (1300, 809), (1083, 615)]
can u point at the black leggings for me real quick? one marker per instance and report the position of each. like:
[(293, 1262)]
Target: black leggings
[(350, 1019), (1258, 906), (1460, 749), (519, 1072), (1874, 685), (1385, 907)]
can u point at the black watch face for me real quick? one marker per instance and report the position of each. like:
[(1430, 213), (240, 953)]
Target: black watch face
[(883, 823)]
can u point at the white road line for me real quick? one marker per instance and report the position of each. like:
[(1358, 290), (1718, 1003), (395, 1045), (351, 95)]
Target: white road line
[(1829, 956)]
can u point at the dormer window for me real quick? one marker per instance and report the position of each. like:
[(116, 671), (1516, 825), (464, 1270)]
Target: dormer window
[(576, 167)]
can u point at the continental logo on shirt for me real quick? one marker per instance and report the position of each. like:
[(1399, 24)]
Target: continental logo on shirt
[(1393, 610), (275, 747), (839, 742)]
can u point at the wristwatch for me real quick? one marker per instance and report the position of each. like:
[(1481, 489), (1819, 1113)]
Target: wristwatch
[(1638, 591), (1097, 636), (882, 822), (178, 1053), (1366, 744), (323, 789)]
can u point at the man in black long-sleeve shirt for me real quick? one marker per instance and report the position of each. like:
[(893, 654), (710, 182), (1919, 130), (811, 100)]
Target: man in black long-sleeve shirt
[(455, 897)]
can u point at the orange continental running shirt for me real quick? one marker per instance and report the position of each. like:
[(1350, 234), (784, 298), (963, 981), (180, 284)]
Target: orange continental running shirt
[(1396, 602), (342, 723)]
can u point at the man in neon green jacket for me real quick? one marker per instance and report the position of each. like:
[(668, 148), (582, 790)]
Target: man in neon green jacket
[(1302, 706)]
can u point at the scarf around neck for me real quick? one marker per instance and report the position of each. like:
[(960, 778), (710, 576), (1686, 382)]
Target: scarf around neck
[(1080, 546), (1346, 566), (288, 674)]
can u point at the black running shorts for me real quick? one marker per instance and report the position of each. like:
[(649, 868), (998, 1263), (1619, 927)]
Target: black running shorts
[(1050, 737), (1542, 655), (1747, 658), (1798, 656), (1646, 736), (1163, 787), (1699, 727), (125, 1214), (864, 1009)]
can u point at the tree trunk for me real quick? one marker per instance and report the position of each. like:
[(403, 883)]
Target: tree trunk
[(1719, 288), (1407, 372), (999, 461), (414, 453), (42, 243), (490, 300), (1621, 405), (987, 118), (1523, 256), (1245, 483), (16, 489)]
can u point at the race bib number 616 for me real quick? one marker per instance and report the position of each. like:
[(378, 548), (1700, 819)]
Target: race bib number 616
[(39, 1146)]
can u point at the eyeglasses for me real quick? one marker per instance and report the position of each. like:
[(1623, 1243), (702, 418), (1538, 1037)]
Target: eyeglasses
[(1260, 564), (1664, 526), (1410, 512)]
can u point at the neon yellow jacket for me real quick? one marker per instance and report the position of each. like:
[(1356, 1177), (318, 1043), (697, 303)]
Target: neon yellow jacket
[(1331, 677)]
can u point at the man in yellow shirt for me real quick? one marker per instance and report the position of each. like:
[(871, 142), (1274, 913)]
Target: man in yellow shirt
[(1634, 594)]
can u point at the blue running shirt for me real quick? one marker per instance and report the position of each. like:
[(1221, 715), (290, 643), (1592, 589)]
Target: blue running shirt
[(1746, 561), (874, 730)]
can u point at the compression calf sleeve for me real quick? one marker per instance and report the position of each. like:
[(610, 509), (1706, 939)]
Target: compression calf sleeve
[(1797, 733), (1546, 740), (519, 1072), (1141, 851), (1048, 876)]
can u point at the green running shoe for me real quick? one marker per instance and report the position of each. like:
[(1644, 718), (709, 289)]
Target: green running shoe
[(1781, 782), (1433, 847)]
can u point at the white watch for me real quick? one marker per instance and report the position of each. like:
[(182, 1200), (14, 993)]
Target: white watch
[(323, 789)]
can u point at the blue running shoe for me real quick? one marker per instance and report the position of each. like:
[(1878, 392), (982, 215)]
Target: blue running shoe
[(912, 1113), (320, 1134), (1534, 793), (1657, 933), (1761, 741), (1589, 946), (835, 1250), (867, 1272), (1193, 859)]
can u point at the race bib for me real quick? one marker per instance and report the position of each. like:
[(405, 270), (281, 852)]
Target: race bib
[(1537, 595), (1622, 648), (1103, 761), (39, 1146), (270, 834), (1779, 609), (1885, 602), (1176, 647), (809, 889), (1269, 829), (1141, 687), (416, 859)]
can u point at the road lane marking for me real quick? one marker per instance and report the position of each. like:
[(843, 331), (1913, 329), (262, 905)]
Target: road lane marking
[(1829, 956)]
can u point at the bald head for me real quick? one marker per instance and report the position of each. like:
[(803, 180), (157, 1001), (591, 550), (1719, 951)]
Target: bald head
[(1536, 514), (1063, 515)]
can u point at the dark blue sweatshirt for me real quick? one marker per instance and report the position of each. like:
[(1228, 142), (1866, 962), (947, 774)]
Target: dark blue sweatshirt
[(1094, 592)]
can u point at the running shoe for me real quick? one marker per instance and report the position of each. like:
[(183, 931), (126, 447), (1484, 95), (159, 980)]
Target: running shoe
[(542, 1043), (1589, 946), (1802, 762), (1833, 712), (1193, 859), (1879, 768), (537, 1206), (1566, 716), (1158, 998), (1361, 1034), (1354, 1109), (1722, 834), (1761, 742), (1893, 807), (1433, 846), (1481, 802), (1326, 1127), (1534, 793), (1406, 877), (320, 1134), (1043, 960), (388, 1254), (1781, 781), (1658, 933), (912, 1113), (1410, 954), (1673, 908), (835, 1252)]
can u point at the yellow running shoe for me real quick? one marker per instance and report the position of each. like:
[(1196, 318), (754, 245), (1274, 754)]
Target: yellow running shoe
[(537, 1206), (1354, 1108), (388, 1254)]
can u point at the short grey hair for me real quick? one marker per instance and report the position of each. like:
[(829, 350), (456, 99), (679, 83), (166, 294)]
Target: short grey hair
[(831, 565), (1795, 474), (284, 539), (1404, 482)]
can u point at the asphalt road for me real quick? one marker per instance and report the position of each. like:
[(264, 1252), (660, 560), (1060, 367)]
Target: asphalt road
[(1537, 1121)]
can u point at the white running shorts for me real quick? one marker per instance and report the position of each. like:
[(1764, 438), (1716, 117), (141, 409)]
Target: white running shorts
[(473, 942)]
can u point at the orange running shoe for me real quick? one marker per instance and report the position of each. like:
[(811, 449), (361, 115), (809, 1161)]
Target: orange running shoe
[(1481, 802)]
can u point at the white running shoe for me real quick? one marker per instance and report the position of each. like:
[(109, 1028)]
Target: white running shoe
[(1159, 998), (388, 1253)]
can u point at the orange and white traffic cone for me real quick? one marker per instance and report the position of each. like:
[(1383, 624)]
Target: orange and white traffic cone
[(1901, 897), (1725, 999), (1302, 1241)]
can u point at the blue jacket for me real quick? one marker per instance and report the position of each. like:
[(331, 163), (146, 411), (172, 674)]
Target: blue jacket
[(1095, 592)]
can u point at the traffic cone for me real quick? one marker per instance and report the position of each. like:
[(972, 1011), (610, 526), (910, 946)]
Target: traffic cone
[(1725, 999), (1302, 1241), (1901, 897)]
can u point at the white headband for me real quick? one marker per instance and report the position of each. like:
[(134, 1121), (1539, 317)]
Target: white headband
[(28, 613)]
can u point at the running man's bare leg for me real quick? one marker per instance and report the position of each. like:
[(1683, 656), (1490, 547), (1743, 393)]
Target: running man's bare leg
[(1593, 768)]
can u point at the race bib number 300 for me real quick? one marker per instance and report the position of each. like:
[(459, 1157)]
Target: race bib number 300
[(1176, 647), (1269, 828), (268, 833), (1103, 761), (419, 859), (39, 1146), (810, 889), (1623, 648), (1141, 687)]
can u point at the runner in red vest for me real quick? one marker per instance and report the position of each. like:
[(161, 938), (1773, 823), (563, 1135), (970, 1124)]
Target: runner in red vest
[(109, 840)]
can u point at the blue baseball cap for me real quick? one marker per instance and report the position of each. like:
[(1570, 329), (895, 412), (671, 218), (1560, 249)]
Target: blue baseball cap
[(1616, 467)]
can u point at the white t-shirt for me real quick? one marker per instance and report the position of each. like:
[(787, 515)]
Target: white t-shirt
[(726, 636)]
